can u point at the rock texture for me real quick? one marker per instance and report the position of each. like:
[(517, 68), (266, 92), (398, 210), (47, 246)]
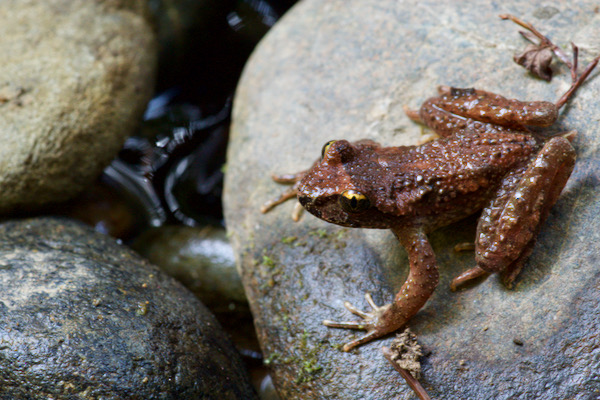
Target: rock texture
[(76, 76), (84, 318), (200, 258), (345, 69)]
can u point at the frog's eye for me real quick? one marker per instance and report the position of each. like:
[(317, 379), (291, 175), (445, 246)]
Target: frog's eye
[(326, 147), (353, 201)]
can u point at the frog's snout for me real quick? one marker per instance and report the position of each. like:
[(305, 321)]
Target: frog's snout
[(309, 203), (304, 200)]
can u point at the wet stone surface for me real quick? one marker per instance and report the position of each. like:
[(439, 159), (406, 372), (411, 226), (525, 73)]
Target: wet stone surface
[(200, 258), (344, 69), (76, 76), (83, 317)]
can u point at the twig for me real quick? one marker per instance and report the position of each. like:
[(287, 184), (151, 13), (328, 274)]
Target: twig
[(414, 384), (544, 40), (575, 62), (576, 80), (565, 97)]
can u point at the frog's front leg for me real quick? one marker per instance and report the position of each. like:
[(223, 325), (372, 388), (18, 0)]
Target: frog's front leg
[(508, 227), (290, 193), (420, 284)]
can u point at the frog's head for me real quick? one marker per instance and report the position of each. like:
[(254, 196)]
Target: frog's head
[(339, 187)]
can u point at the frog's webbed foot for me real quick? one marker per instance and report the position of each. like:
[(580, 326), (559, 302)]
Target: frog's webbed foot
[(371, 322), (288, 179)]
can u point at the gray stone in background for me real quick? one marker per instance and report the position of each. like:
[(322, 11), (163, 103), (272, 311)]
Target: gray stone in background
[(345, 69), (83, 317), (76, 76), (199, 257)]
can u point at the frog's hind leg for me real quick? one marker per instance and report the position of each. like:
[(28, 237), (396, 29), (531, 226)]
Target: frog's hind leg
[(435, 117), (458, 109), (508, 227)]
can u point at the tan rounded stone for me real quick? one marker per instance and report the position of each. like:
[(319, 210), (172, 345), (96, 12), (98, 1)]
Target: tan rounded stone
[(74, 80)]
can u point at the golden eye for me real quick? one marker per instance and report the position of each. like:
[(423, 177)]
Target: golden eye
[(326, 147), (353, 201)]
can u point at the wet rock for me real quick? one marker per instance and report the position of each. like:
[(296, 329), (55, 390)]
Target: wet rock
[(76, 78), (82, 317), (345, 69), (200, 258)]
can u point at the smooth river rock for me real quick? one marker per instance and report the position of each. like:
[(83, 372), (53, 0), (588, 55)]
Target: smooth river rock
[(82, 317), (76, 76), (199, 257), (345, 69)]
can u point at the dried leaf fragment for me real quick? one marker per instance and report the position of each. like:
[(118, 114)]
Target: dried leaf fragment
[(406, 352), (537, 59), (404, 355)]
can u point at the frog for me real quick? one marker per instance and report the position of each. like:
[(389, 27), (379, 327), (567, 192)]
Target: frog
[(487, 159)]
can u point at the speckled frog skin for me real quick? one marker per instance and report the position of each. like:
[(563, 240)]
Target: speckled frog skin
[(486, 159)]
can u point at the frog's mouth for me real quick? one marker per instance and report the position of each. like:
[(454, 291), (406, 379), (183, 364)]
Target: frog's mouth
[(326, 208), (312, 204)]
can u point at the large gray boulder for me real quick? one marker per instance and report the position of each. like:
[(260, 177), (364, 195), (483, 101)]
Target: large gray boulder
[(345, 69)]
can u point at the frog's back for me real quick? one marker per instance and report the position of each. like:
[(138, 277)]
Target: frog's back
[(450, 178)]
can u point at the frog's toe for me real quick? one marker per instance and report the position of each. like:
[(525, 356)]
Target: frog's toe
[(367, 317), (283, 197), (346, 324), (444, 89), (361, 340), (371, 322), (297, 212), (364, 325), (356, 311), (413, 114), (374, 306), (467, 277)]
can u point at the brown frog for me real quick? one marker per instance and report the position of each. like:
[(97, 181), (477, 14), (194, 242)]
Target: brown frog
[(485, 159)]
